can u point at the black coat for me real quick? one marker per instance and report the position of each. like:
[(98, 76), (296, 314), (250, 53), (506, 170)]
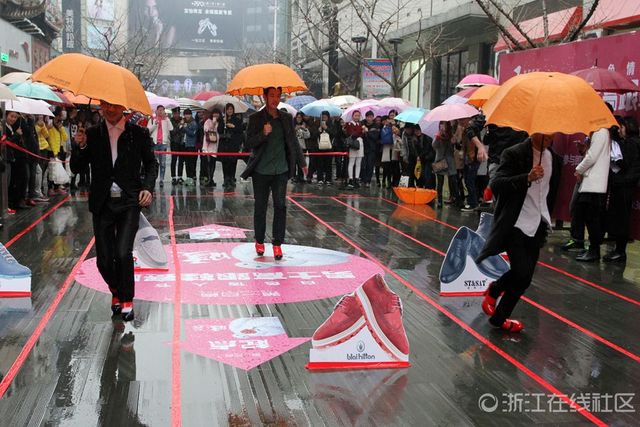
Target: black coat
[(510, 185), (622, 185), (230, 138), (256, 141), (134, 151)]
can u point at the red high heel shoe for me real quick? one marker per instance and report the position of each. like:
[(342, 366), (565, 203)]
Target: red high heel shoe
[(277, 252), (489, 303), (259, 249)]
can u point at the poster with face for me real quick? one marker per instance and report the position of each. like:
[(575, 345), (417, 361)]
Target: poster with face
[(103, 10)]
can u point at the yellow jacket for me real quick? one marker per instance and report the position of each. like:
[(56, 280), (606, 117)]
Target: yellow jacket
[(43, 135), (56, 138)]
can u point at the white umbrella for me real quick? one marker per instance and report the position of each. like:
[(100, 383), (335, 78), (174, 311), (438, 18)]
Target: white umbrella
[(344, 101), (155, 101), (220, 102), (6, 94), (190, 104), (29, 106), (16, 77), (287, 107)]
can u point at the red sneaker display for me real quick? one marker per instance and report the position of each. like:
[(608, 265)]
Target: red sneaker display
[(345, 321), (277, 252), (382, 310), (127, 311), (259, 249)]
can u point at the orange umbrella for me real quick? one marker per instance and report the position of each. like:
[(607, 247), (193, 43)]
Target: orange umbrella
[(254, 79), (96, 79), (480, 96), (545, 102), (80, 99)]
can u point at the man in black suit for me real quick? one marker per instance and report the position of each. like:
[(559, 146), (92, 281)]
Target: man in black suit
[(521, 185), (275, 153), (116, 151)]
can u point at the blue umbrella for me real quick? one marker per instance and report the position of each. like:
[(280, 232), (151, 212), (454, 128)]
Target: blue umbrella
[(298, 102), (411, 115), (316, 108), (35, 91)]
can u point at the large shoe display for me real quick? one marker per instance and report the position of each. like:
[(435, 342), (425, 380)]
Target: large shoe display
[(365, 331), (148, 251), (15, 278), (460, 275)]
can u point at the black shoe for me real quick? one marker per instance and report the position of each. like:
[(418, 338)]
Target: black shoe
[(161, 184), (174, 181), (572, 245), (614, 256), (589, 256)]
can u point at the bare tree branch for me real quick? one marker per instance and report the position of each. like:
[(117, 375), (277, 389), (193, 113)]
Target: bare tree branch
[(576, 31)]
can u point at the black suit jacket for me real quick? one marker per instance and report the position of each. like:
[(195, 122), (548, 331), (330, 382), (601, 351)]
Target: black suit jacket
[(134, 153), (256, 141), (510, 185)]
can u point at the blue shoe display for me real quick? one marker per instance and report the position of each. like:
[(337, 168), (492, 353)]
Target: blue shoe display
[(485, 224), (148, 245), (9, 267)]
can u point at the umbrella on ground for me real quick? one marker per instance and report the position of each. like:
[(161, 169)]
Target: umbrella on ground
[(298, 102), (35, 91), (605, 80), (545, 102), (477, 80), (316, 108), (387, 104), (446, 113), (479, 97), (411, 115), (6, 94), (96, 79), (220, 102), (254, 79), (362, 106), (344, 101), (155, 101), (29, 106), (16, 77), (190, 104), (205, 95)]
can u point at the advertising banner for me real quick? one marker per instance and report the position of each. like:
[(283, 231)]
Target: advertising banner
[(103, 10), (214, 25), (372, 85), (72, 29), (186, 86), (619, 53)]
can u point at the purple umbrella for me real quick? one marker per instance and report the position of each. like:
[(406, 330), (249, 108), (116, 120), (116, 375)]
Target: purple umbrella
[(362, 106), (446, 113), (155, 101)]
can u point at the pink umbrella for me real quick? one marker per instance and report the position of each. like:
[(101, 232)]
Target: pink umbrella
[(477, 80), (388, 104), (604, 80), (206, 95), (155, 101), (362, 106), (445, 113)]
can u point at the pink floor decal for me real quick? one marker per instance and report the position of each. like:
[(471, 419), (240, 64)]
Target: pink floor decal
[(231, 273), (216, 231), (244, 343)]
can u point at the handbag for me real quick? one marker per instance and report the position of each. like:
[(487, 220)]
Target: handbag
[(353, 143), (212, 137), (325, 141), (440, 165)]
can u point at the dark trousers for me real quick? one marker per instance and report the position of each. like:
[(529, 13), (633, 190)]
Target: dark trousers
[(17, 182), (523, 254), (208, 163), (175, 160), (32, 186), (313, 167), (368, 163), (263, 186), (342, 163), (589, 210), (204, 166), (229, 166), (453, 188), (115, 228), (470, 175), (189, 162), (395, 173), (324, 164)]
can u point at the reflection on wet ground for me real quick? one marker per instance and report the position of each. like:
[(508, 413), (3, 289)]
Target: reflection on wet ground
[(87, 369)]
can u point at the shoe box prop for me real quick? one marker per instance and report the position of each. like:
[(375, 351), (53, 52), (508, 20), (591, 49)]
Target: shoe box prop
[(15, 279), (365, 331), (148, 251), (460, 275)]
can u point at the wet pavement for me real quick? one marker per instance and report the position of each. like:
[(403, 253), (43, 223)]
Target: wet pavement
[(85, 369)]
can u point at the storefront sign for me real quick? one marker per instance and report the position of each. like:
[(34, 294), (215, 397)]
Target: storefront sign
[(72, 30), (619, 53), (372, 84), (15, 48)]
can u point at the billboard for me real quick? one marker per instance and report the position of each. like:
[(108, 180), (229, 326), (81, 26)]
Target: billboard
[(618, 53), (187, 86), (209, 25), (71, 31), (98, 34), (103, 10), (372, 85)]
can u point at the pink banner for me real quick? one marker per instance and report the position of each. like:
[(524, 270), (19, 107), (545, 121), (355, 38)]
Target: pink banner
[(231, 273), (244, 343), (619, 53)]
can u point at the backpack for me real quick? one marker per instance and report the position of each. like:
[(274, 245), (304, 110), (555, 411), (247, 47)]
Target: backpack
[(325, 141), (386, 136)]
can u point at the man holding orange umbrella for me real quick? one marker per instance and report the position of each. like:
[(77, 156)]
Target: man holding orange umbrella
[(275, 154), (116, 151)]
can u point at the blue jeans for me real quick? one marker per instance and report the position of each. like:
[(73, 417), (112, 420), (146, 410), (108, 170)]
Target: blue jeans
[(470, 175), (161, 159), (276, 185)]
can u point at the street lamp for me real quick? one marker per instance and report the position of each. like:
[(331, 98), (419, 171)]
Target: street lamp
[(360, 42), (395, 42)]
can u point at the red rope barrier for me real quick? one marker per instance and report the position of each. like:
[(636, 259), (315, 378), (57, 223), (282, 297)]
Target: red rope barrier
[(4, 140), (238, 154)]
